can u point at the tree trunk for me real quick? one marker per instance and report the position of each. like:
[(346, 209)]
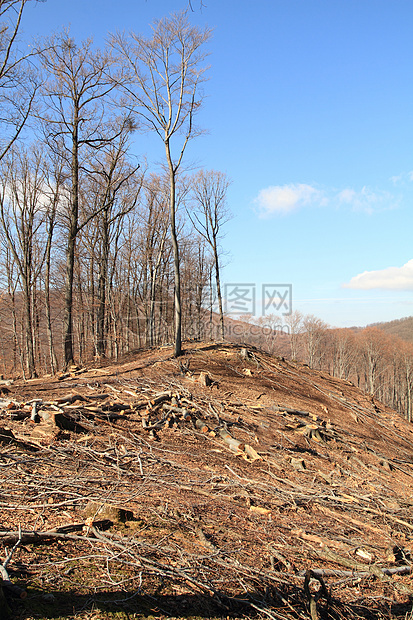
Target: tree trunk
[(71, 244), (177, 275), (68, 315), (101, 312), (219, 295), (28, 332), (52, 354)]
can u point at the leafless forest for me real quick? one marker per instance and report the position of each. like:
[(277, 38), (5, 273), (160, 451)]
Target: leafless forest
[(101, 254)]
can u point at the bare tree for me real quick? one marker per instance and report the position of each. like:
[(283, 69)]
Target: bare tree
[(112, 192), (343, 352), (208, 215), (22, 215), (75, 126), (404, 382), (294, 321), (197, 276), (161, 77), (153, 217), (18, 82), (314, 332), (373, 344)]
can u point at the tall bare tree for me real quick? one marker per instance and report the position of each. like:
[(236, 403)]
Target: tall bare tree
[(294, 323), (161, 77), (208, 215), (373, 344), (53, 182), (153, 228), (314, 332)]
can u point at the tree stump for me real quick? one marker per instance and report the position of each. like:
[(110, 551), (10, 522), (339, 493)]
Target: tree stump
[(204, 379)]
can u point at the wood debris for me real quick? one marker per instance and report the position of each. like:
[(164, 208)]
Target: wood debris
[(263, 486)]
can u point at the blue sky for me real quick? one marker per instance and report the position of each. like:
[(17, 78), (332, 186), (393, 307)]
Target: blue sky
[(309, 111)]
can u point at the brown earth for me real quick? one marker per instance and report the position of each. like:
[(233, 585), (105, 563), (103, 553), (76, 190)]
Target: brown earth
[(276, 491)]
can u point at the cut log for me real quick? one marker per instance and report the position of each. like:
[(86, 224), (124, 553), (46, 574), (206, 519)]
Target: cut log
[(282, 409), (71, 398), (298, 464), (234, 444), (160, 398), (260, 510), (201, 426)]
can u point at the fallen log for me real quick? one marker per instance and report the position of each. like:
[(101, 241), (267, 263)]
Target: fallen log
[(159, 398), (201, 426), (234, 444), (331, 572), (62, 532), (71, 399), (290, 411)]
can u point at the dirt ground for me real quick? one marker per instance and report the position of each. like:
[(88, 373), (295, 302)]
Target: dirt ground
[(228, 483)]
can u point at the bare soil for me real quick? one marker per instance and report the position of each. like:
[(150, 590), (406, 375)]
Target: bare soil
[(140, 491)]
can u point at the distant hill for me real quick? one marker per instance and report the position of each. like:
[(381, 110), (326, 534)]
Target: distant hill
[(403, 328)]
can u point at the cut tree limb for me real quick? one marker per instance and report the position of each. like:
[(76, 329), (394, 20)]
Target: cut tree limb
[(372, 569), (234, 444)]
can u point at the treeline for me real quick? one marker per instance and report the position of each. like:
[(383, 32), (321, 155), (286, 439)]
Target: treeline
[(100, 253), (378, 363)]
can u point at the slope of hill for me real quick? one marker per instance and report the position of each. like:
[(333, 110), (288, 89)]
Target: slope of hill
[(227, 483), (403, 328)]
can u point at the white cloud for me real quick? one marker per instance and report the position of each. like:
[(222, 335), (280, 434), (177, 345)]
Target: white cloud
[(396, 179), (367, 200), (403, 180), (391, 278), (286, 198), (283, 199)]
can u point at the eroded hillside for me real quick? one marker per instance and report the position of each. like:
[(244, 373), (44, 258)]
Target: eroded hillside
[(226, 483)]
